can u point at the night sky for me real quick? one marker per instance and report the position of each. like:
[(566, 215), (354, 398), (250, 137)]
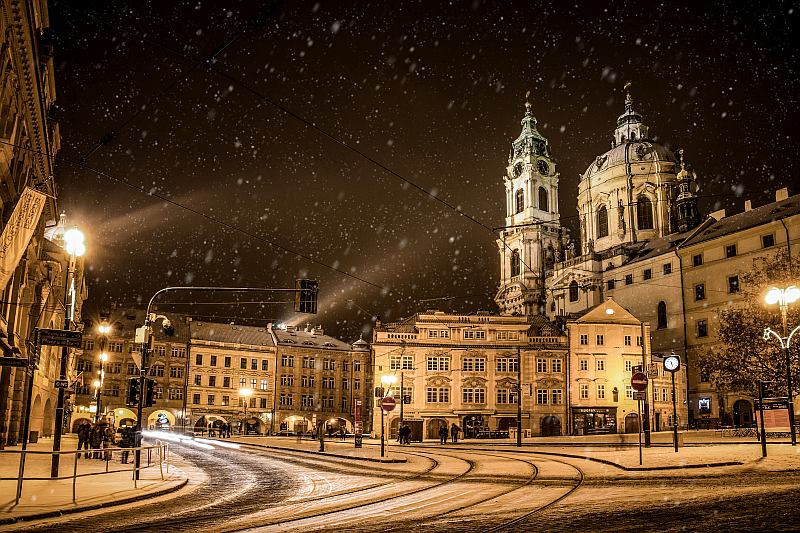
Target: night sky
[(240, 112)]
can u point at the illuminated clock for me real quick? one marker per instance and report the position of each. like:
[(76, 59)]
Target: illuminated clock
[(542, 167), (672, 363)]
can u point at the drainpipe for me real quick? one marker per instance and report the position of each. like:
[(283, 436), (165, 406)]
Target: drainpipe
[(698, 229), (788, 244)]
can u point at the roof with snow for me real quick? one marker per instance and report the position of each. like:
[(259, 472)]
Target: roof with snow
[(609, 312), (231, 333)]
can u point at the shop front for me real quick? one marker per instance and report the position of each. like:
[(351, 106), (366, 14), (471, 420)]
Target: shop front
[(594, 420)]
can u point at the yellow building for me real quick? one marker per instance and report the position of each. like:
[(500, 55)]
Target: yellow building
[(464, 370), (607, 344)]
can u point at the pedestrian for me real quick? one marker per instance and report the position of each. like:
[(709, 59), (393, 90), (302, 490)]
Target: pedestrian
[(454, 431), (125, 442), (443, 434), (405, 434), (342, 434), (84, 434), (210, 430), (107, 439), (96, 440)]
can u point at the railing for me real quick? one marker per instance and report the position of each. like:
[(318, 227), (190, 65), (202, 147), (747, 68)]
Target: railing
[(162, 448)]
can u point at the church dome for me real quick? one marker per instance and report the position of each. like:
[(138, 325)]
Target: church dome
[(643, 151)]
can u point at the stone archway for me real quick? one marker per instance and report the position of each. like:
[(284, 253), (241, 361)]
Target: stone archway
[(161, 419), (742, 413), (47, 419), (551, 426), (37, 415), (505, 423), (79, 421), (632, 423)]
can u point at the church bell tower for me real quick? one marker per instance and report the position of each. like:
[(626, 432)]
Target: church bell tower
[(530, 242)]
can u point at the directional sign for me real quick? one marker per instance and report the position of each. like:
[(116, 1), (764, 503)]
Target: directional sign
[(13, 361), (61, 383), (60, 337), (388, 404), (639, 381)]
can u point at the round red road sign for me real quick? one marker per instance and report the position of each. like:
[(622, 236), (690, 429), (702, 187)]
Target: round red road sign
[(388, 403), (639, 381)]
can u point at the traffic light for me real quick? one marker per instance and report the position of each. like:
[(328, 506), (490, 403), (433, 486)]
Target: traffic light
[(305, 296), (150, 385), (133, 392)]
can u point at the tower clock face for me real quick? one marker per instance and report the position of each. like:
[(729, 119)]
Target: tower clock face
[(542, 167)]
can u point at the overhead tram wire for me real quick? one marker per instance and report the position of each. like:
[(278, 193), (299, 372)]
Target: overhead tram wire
[(204, 215)]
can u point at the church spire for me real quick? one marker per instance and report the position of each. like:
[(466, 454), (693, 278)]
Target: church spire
[(629, 123), (530, 141), (687, 215)]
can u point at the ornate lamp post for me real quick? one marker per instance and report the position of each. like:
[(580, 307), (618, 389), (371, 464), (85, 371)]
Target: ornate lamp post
[(74, 246), (784, 297), (98, 384)]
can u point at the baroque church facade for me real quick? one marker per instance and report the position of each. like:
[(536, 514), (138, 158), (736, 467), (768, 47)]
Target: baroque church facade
[(642, 241)]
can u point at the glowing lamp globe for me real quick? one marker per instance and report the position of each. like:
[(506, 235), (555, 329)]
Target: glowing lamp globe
[(73, 240)]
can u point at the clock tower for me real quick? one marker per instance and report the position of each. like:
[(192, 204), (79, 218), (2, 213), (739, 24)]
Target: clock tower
[(530, 242)]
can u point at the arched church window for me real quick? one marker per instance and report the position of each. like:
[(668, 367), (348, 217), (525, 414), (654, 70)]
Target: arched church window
[(515, 263), (602, 222), (543, 199), (644, 213), (573, 291), (662, 315), (520, 205)]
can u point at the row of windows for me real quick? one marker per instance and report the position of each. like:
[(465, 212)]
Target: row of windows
[(503, 396), (731, 250), (600, 340), (287, 361), (519, 200), (158, 370), (225, 401), (644, 216), (213, 360), (600, 392), (212, 381)]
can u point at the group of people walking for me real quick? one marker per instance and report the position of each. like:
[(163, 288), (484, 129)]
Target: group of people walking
[(222, 431), (443, 432), (98, 439)]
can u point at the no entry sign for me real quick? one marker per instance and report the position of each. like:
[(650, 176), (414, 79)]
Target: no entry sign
[(639, 381), (388, 404)]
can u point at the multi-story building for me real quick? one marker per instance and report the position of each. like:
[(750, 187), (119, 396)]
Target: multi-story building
[(606, 345), (167, 362), (465, 370), (34, 266), (319, 381), (231, 377)]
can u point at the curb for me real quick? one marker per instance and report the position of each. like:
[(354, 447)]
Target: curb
[(92, 507), (312, 452)]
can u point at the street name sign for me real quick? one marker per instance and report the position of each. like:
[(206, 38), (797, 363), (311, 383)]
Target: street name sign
[(388, 403), (13, 361), (60, 337), (639, 381), (61, 384), (639, 395)]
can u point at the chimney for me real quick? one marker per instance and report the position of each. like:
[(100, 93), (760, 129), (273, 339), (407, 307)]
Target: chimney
[(748, 206), (781, 194), (718, 215)]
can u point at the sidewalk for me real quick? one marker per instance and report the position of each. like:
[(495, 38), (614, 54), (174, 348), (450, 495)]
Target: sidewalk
[(45, 498)]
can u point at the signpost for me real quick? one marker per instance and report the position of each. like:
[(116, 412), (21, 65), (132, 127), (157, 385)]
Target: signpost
[(639, 383), (18, 362), (358, 426), (388, 404), (60, 337)]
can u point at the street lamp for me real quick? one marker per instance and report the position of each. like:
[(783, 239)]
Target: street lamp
[(784, 297), (75, 247), (246, 393), (99, 384), (387, 381)]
